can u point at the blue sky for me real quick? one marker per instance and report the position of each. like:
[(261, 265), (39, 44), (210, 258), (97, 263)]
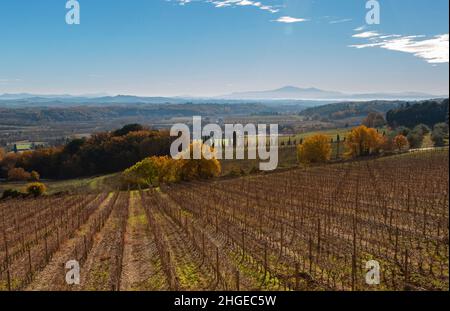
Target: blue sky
[(214, 47)]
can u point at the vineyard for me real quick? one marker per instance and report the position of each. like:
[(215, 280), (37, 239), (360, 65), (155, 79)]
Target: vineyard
[(300, 229)]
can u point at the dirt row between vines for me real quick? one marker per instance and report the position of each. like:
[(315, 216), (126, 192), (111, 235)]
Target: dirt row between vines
[(123, 254), (52, 277), (142, 266)]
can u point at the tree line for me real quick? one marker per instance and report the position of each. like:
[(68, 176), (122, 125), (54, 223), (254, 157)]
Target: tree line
[(429, 112), (364, 141), (102, 153)]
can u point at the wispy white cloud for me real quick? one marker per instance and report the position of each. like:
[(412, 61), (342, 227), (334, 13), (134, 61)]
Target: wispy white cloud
[(361, 28), (249, 3), (235, 3), (366, 34), (339, 21), (390, 36), (183, 2), (434, 50), (289, 20)]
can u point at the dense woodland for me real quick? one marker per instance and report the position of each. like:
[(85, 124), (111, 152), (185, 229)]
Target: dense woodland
[(429, 112), (44, 115), (103, 153), (339, 111)]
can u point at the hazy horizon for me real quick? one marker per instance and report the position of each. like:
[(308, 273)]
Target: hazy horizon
[(217, 96)]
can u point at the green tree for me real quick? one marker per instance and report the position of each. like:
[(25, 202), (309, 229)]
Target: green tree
[(416, 135), (128, 129), (11, 193), (422, 128), (74, 146), (402, 130), (440, 134)]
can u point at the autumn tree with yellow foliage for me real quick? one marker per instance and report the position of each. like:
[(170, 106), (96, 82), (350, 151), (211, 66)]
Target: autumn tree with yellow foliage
[(315, 149), (363, 141), (153, 171), (157, 170), (143, 174), (36, 189), (204, 168)]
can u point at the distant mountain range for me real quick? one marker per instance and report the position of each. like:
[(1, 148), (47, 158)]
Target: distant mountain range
[(295, 93), (287, 92), (17, 96), (33, 100), (283, 96)]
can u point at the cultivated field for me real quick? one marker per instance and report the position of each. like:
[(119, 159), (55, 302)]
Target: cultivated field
[(303, 229)]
